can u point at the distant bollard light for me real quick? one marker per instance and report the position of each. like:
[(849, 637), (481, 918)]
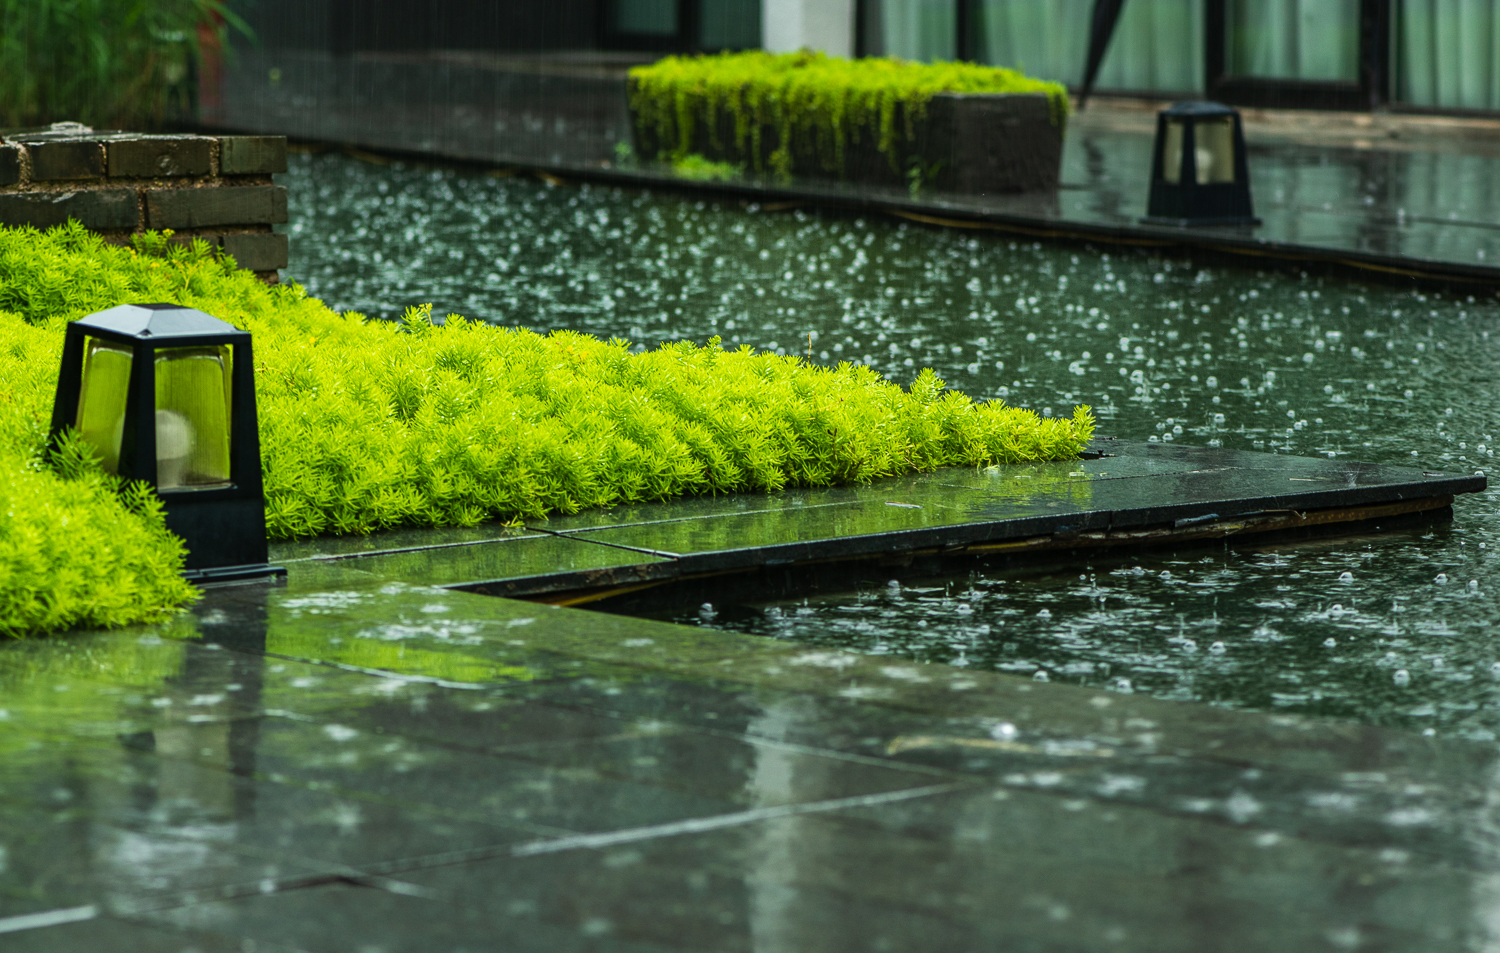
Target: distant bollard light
[(166, 394), (1198, 170)]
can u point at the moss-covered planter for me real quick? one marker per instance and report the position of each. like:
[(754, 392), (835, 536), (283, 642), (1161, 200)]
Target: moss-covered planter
[(973, 143), (955, 127)]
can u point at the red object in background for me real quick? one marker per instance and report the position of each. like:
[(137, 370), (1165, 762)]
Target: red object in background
[(210, 68)]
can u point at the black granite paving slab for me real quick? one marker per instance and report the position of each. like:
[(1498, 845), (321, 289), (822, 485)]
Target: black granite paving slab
[(352, 918), (151, 828), (666, 677), (979, 869), (127, 936), (493, 774), (374, 759), (69, 842), (1137, 486), (555, 561)]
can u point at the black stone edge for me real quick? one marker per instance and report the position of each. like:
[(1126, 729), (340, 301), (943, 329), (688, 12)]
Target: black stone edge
[(1196, 237), (1190, 238), (233, 575), (957, 537)]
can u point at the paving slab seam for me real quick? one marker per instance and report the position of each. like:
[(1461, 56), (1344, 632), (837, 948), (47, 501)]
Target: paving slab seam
[(274, 885), (779, 745), (689, 519), (133, 905), (338, 557), (579, 536), (48, 918), (380, 673), (698, 825)]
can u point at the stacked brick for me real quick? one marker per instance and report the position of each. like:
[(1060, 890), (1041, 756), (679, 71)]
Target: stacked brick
[(217, 188)]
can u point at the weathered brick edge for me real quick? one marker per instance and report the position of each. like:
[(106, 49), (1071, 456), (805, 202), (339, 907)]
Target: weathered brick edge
[(215, 188)]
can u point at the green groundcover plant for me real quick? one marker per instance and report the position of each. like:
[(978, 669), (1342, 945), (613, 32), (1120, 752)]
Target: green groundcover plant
[(373, 424), (816, 104)]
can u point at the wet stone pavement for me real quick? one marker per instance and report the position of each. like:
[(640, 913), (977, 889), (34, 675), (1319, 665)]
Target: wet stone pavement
[(350, 761)]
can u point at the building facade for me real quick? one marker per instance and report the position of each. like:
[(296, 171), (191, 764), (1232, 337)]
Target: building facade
[(1422, 55)]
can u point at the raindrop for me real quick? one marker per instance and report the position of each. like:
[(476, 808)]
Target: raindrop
[(1473, 585), (1123, 685), (1330, 643), (1044, 614), (1040, 676), (1005, 731), (1166, 574), (1441, 579), (1218, 648), (1402, 677), (1188, 645), (1346, 577)]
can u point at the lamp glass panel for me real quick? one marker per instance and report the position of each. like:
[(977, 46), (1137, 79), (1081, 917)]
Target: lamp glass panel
[(1171, 153), (1213, 150), (192, 417), (101, 398)]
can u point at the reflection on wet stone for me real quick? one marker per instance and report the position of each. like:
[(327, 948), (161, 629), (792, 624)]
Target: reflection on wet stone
[(283, 763), (363, 760)]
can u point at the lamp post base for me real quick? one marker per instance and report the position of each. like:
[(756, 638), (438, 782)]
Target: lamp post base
[(233, 575)]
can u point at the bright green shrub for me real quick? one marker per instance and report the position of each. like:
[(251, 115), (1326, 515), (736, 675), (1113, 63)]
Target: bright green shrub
[(815, 103), (369, 424), (467, 422), (74, 550)]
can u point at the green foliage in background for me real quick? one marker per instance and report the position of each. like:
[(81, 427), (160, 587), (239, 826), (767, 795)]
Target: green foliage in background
[(370, 424), (125, 64), (697, 168), (816, 104)]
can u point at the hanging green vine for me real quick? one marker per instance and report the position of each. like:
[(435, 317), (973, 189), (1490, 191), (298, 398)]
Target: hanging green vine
[(811, 103)]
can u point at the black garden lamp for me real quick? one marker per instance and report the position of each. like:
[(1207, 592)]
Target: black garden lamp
[(1198, 170), (166, 394)]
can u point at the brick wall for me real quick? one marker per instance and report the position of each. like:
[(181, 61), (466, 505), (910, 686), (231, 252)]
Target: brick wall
[(217, 188)]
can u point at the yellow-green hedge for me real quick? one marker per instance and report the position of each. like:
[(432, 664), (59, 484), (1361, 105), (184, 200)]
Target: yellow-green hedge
[(370, 424)]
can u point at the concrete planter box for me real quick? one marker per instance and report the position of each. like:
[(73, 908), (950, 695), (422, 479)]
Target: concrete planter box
[(966, 143)]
